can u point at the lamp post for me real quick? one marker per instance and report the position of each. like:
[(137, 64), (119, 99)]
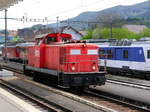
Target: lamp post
[(6, 35), (111, 30)]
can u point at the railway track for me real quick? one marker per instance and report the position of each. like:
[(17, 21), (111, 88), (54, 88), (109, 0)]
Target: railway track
[(139, 105), (118, 99), (61, 103), (12, 67), (129, 83), (37, 102), (94, 94)]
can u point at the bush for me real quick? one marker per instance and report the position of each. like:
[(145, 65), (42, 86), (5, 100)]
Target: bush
[(145, 33), (96, 34), (88, 35), (118, 33), (15, 39)]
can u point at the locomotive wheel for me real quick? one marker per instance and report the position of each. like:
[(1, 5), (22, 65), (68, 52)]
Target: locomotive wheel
[(35, 77), (147, 77)]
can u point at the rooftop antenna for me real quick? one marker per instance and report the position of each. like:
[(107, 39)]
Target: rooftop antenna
[(68, 22), (46, 19), (57, 29)]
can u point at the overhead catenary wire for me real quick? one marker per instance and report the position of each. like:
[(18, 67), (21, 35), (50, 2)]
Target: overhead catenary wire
[(23, 19), (48, 20)]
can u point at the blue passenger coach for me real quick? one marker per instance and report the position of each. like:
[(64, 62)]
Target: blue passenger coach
[(131, 58)]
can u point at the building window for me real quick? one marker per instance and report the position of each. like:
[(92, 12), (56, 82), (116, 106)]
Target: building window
[(109, 54), (148, 53), (125, 54)]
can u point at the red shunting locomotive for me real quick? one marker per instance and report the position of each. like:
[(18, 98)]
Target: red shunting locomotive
[(73, 64)]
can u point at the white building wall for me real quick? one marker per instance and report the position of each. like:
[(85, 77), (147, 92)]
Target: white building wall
[(75, 35)]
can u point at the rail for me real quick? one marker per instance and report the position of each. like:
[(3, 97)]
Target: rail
[(128, 83), (119, 99), (144, 106)]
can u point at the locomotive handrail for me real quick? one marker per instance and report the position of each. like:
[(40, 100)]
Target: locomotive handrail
[(81, 61)]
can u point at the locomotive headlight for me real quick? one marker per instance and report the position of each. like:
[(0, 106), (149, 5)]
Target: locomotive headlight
[(94, 67), (73, 68)]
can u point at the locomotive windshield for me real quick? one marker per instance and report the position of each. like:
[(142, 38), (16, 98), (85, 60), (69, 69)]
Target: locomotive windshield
[(65, 39)]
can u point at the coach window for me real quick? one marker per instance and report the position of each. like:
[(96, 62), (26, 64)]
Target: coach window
[(101, 53), (125, 54), (109, 54), (148, 53)]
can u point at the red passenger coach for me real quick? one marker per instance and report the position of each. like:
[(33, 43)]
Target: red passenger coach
[(22, 51), (73, 64), (11, 53), (17, 53)]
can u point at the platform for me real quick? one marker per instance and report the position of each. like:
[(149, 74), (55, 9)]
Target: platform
[(5, 73)]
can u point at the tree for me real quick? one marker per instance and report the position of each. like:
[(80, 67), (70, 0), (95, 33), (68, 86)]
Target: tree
[(96, 34), (119, 33)]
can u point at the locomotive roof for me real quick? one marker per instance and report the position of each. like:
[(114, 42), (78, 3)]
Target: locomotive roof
[(73, 44), (65, 35)]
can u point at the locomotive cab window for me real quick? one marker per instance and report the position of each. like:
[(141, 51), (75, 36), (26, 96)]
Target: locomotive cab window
[(125, 54), (65, 39), (49, 40), (148, 54)]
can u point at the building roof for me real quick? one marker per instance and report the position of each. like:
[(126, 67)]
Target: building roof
[(135, 28), (69, 27), (7, 3)]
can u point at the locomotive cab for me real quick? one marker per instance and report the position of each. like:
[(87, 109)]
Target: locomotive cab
[(53, 38)]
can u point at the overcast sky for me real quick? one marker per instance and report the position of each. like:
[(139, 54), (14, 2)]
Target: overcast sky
[(52, 8)]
